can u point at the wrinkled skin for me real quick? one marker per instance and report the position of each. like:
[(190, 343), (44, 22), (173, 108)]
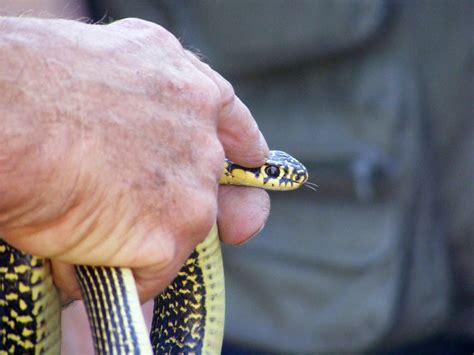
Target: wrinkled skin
[(112, 141)]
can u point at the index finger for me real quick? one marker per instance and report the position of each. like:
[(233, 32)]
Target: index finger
[(237, 130)]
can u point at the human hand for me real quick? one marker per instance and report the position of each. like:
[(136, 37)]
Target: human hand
[(111, 145)]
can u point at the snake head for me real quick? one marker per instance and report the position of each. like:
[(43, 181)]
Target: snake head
[(280, 172), (283, 172)]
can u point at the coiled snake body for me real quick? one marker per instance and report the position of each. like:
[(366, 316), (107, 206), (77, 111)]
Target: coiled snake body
[(188, 316)]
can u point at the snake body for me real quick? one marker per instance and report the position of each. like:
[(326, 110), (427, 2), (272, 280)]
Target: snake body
[(29, 305), (188, 316)]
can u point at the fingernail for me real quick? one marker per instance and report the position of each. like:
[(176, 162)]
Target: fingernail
[(253, 235), (258, 231)]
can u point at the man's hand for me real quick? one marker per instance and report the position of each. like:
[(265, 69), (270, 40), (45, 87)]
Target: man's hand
[(112, 140)]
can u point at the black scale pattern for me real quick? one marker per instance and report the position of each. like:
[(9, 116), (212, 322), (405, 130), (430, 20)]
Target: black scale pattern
[(179, 313), (17, 321)]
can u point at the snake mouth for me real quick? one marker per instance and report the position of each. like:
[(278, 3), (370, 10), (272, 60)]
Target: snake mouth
[(297, 183), (297, 180), (289, 184)]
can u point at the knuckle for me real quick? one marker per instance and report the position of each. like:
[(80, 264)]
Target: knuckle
[(165, 36), (132, 22), (196, 93), (149, 30), (160, 252), (227, 94), (167, 252), (205, 95)]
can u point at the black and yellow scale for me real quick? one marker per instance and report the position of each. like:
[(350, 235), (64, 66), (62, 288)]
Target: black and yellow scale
[(188, 316)]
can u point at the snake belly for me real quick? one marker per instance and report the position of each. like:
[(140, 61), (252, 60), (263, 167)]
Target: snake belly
[(188, 317)]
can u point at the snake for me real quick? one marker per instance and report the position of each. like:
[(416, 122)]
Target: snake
[(188, 316)]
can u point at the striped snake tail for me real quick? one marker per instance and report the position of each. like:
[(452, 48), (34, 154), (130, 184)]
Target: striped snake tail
[(113, 309)]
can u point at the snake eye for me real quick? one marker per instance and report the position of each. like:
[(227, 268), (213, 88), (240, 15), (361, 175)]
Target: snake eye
[(272, 171)]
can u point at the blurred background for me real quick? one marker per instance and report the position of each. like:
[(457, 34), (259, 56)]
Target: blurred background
[(376, 98)]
